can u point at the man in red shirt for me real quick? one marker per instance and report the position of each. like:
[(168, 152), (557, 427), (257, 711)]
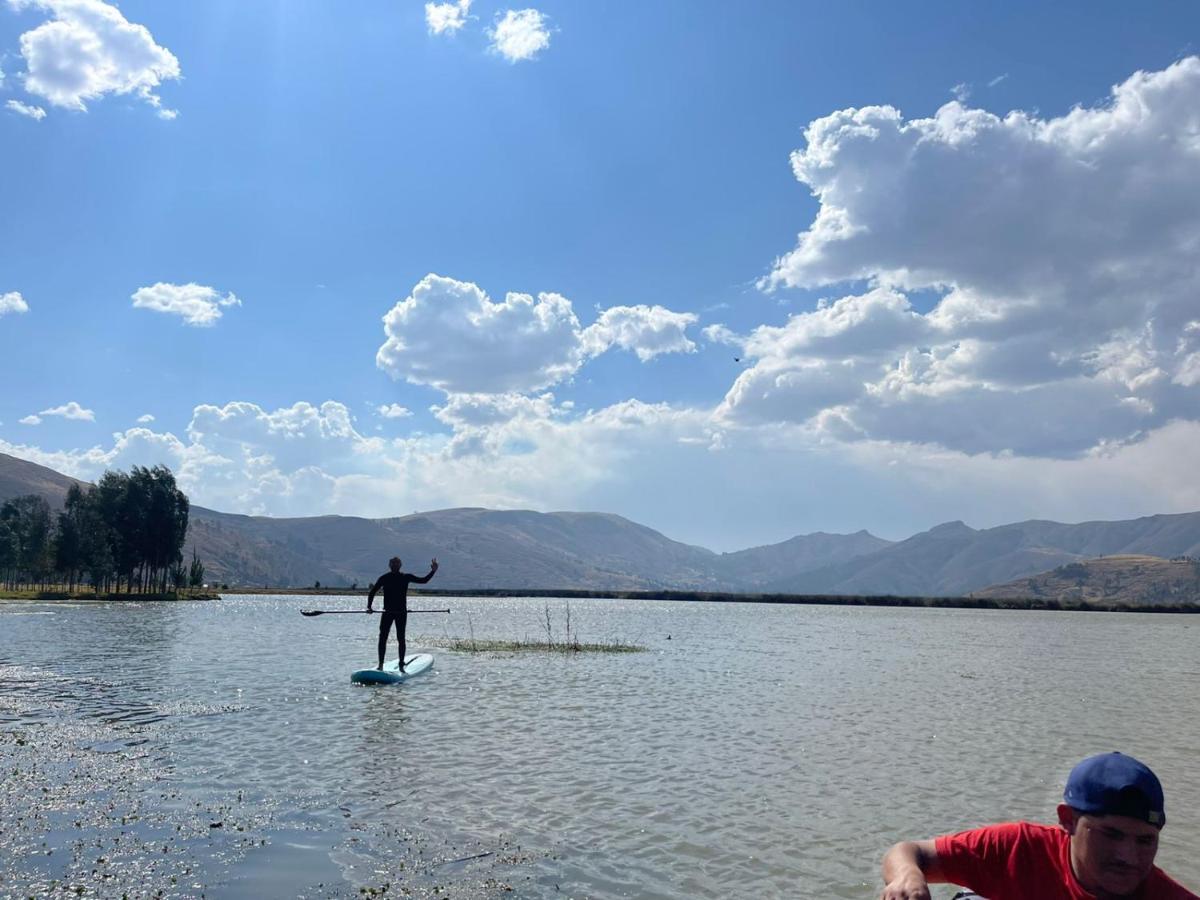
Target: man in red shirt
[(1104, 849)]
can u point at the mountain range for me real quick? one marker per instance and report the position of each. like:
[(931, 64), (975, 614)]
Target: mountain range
[(520, 549)]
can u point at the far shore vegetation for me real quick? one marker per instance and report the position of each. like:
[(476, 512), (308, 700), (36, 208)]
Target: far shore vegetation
[(962, 602)]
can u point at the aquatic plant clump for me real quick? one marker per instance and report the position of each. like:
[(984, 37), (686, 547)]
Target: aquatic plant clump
[(479, 645), (567, 643)]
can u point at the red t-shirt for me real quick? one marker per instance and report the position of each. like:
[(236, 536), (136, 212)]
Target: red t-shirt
[(1022, 861)]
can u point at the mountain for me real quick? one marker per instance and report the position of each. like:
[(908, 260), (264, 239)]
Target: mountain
[(1127, 579), (954, 559), (515, 549), (17, 477), (520, 549), (759, 567)]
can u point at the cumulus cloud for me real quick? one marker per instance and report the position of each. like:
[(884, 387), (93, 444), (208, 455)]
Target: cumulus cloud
[(645, 330), (23, 109), (533, 452), (519, 34), (1059, 253), (12, 302), (88, 49), (452, 336), (447, 18), (71, 410), (198, 305), (393, 411), (145, 419)]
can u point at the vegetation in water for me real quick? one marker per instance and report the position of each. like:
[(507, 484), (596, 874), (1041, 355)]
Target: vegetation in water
[(565, 641)]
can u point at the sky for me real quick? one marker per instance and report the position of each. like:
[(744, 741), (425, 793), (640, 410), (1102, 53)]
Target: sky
[(734, 271)]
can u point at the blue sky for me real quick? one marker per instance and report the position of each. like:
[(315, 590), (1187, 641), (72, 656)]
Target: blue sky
[(990, 313)]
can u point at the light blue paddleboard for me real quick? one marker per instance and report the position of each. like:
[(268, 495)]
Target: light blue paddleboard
[(391, 674)]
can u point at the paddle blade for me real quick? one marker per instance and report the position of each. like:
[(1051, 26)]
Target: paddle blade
[(311, 612)]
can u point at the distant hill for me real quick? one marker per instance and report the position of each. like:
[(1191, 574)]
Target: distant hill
[(17, 477), (514, 549), (759, 568), (1127, 578), (954, 559), (520, 549)]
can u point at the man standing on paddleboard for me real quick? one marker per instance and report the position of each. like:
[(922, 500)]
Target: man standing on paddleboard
[(1102, 849), (394, 585)]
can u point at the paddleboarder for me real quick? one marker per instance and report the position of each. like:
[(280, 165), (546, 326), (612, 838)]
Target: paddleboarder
[(394, 585)]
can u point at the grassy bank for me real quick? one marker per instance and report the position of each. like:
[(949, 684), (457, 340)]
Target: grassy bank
[(92, 595)]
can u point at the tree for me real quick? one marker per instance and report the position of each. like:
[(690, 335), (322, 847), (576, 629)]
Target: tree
[(196, 570), (28, 520)]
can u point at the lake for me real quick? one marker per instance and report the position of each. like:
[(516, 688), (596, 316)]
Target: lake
[(218, 749)]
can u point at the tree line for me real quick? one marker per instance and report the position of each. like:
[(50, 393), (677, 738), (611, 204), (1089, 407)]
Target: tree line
[(124, 534)]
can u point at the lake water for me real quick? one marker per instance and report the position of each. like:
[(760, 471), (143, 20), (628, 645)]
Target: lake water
[(219, 750)]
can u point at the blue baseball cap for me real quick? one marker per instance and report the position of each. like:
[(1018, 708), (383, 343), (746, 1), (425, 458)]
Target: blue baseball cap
[(1113, 784)]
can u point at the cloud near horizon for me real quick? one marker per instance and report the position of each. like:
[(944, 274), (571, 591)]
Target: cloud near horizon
[(536, 453), (1060, 255)]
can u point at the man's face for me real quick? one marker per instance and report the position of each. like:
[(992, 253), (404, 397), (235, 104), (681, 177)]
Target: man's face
[(1111, 855), (394, 565)]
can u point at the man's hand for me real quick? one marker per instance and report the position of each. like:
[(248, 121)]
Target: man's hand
[(909, 886), (433, 565), (908, 868)]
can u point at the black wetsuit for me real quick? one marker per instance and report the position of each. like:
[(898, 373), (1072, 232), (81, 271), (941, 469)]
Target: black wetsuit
[(394, 587)]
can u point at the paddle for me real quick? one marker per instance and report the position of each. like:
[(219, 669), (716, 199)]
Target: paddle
[(359, 612)]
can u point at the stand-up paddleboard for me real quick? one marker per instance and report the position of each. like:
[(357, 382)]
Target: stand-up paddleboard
[(391, 674)]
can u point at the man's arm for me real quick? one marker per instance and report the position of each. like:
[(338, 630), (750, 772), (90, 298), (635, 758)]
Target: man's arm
[(371, 595), (425, 580), (908, 869)]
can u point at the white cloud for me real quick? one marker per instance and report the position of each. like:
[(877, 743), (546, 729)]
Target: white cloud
[(447, 18), (450, 335), (646, 330), (12, 302), (198, 305), (999, 78), (71, 410), (393, 411), (640, 460), (1060, 254), (30, 420), (519, 34), (88, 49), (33, 112), (145, 419), (961, 92)]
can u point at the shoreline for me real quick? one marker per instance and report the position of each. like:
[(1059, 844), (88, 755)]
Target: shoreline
[(908, 602), (1040, 604), (90, 597)]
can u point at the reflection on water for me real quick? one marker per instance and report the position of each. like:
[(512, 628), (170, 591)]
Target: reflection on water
[(757, 751)]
